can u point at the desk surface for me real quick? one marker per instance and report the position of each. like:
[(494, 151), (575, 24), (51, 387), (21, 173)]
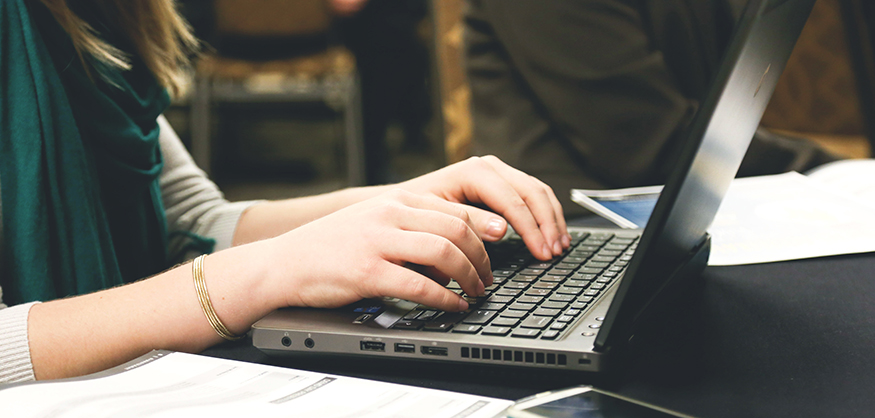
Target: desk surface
[(793, 338)]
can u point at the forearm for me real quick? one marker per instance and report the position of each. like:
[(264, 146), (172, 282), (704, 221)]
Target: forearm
[(85, 334), (269, 219)]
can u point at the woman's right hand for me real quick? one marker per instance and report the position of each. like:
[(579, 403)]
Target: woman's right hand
[(398, 244)]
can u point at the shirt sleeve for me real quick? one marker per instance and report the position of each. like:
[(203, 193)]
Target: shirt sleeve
[(15, 364), (193, 204)]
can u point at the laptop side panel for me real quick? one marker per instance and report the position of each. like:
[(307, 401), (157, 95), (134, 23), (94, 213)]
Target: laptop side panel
[(718, 139)]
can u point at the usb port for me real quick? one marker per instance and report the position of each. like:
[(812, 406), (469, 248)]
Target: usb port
[(372, 346), (434, 351), (405, 348)]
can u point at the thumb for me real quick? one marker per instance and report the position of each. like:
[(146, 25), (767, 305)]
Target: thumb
[(488, 226)]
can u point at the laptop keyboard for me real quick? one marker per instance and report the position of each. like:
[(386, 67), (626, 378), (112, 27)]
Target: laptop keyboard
[(532, 298)]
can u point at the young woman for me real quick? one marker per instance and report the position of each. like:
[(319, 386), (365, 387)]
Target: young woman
[(98, 192)]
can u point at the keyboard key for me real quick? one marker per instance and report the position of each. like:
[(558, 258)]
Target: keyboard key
[(537, 292), (492, 306), (508, 292), (576, 283), (538, 322), (437, 326), (545, 285), (554, 305), (552, 278), (408, 324), (524, 279), (428, 315), (532, 271), (493, 330), (564, 290), (530, 299), (579, 305), (412, 314), (550, 335), (525, 333), (591, 292), (559, 272), (546, 312), (519, 306), (572, 312), (561, 298), (480, 316), (583, 276), (510, 313), (515, 285), (505, 322), (559, 326), (499, 299), (565, 318), (466, 329)]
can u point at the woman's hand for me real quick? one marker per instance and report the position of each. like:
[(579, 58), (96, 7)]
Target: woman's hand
[(398, 244), (527, 203)]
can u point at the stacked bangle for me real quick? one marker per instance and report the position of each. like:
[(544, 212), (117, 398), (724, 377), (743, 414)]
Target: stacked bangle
[(200, 285)]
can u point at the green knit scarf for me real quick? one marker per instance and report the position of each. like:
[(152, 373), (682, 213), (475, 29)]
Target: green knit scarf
[(79, 163)]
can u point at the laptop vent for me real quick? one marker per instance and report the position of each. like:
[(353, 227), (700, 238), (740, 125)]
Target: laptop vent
[(516, 356)]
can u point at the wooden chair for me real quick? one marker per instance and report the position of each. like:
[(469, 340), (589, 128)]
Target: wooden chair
[(325, 74)]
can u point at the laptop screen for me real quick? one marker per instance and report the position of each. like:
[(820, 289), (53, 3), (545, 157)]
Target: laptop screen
[(708, 161)]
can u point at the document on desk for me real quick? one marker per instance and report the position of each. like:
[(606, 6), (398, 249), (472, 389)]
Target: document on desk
[(787, 217), (169, 384)]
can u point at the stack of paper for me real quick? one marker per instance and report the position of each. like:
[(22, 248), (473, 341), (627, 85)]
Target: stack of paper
[(165, 384)]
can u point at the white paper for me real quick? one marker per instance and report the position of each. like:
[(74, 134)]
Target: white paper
[(187, 385), (853, 177), (787, 217)]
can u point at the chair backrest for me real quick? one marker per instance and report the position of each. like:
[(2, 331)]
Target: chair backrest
[(271, 18)]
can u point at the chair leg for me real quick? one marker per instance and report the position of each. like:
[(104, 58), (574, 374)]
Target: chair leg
[(200, 125), (354, 130)]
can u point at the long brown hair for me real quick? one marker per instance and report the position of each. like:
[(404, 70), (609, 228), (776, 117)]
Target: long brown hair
[(159, 34)]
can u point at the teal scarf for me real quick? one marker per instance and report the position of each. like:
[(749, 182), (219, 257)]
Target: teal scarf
[(79, 163)]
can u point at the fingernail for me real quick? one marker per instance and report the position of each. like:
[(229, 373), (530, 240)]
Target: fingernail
[(463, 305), (566, 240), (481, 290), (496, 227), (546, 251)]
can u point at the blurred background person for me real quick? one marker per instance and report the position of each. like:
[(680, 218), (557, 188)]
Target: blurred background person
[(598, 93)]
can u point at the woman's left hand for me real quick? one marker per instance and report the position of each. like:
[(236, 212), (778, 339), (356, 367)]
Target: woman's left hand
[(527, 203)]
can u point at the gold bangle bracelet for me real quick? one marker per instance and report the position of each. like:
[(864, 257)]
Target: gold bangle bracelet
[(200, 286)]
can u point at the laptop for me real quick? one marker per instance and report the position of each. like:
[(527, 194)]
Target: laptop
[(571, 313)]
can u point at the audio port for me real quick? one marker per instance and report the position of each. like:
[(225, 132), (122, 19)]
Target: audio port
[(309, 343), (286, 341)]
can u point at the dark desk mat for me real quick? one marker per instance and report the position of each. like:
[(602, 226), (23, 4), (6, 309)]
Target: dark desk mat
[(783, 339)]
